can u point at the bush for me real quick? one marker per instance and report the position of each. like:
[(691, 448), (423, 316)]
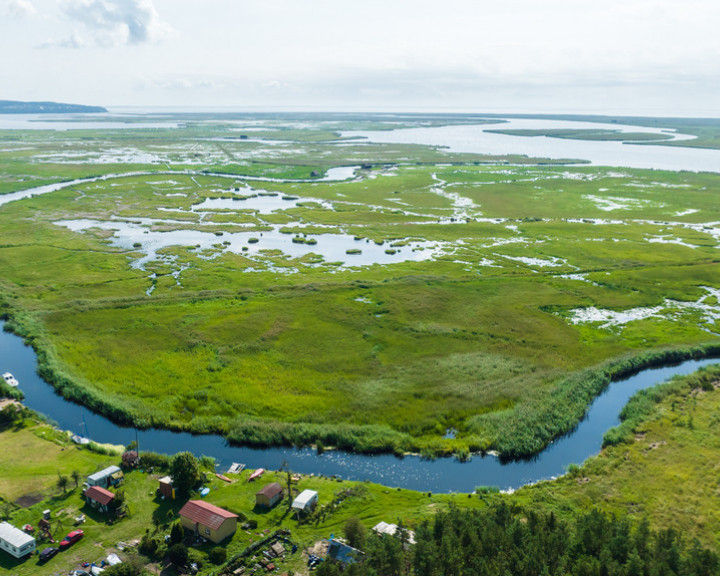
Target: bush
[(176, 533), (148, 546), (154, 460), (178, 555), (217, 555)]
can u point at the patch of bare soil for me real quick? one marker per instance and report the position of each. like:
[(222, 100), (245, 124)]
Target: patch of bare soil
[(28, 500)]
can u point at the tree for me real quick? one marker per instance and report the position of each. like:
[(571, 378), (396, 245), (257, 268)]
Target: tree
[(185, 472), (178, 554), (355, 532), (62, 482), (285, 467), (76, 477), (176, 533)]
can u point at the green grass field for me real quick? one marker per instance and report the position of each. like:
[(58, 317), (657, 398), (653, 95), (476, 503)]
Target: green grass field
[(495, 333)]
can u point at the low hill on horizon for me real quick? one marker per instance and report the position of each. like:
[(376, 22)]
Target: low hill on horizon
[(18, 107)]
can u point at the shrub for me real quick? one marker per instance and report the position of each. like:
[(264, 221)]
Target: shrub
[(217, 555), (178, 554), (176, 533), (148, 546)]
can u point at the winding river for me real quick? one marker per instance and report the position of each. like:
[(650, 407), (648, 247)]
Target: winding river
[(412, 472)]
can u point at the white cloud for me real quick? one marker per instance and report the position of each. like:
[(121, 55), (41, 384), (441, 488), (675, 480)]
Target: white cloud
[(119, 22), (20, 8), (73, 41)]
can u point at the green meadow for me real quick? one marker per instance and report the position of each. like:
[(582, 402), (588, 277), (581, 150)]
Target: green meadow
[(516, 289)]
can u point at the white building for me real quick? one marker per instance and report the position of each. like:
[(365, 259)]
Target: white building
[(391, 530), (306, 500), (14, 541)]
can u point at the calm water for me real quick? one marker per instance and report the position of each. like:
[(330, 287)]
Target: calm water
[(442, 475), (476, 139), (337, 174)]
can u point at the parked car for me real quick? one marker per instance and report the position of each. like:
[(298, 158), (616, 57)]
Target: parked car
[(71, 538), (48, 553)]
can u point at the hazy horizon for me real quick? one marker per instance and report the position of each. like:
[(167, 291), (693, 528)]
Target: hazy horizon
[(632, 57)]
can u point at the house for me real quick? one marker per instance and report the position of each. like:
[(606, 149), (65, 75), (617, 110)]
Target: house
[(344, 553), (391, 530), (306, 500), (111, 476), (99, 498), (15, 542), (208, 521), (165, 487), (269, 495)]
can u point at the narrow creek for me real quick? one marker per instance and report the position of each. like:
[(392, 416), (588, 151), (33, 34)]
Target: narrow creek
[(441, 475)]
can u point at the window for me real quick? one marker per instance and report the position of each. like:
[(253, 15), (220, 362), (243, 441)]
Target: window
[(207, 530)]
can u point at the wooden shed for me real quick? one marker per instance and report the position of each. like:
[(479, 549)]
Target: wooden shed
[(208, 521), (165, 487), (99, 498), (269, 495)]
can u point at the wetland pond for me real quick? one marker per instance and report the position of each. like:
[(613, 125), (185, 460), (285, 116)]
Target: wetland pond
[(442, 475)]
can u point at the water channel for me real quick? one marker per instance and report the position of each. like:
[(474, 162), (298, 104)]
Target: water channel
[(441, 475)]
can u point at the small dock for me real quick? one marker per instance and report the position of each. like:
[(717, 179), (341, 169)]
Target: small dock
[(235, 468)]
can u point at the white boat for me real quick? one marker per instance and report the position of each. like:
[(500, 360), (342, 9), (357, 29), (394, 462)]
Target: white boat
[(10, 379)]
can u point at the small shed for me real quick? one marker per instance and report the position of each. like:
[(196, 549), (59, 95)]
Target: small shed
[(306, 500), (99, 498), (111, 476), (165, 487), (269, 495), (15, 542), (277, 549), (207, 520)]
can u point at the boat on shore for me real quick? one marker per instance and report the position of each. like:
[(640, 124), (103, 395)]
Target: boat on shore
[(259, 472), (10, 380)]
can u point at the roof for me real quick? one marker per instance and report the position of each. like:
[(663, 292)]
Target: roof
[(343, 553), (304, 498), (385, 528), (14, 536), (271, 490), (206, 514), (165, 480), (100, 495), (391, 530), (104, 473)]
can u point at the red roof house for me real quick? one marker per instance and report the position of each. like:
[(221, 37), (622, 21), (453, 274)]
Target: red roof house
[(99, 498), (208, 521)]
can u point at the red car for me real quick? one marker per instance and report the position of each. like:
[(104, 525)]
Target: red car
[(71, 538)]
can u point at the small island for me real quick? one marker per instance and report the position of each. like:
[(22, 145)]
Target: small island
[(18, 107)]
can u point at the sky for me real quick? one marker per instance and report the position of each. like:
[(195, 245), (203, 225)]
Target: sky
[(576, 56)]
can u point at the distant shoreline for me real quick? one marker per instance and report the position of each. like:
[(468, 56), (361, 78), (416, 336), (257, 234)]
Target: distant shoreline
[(18, 107)]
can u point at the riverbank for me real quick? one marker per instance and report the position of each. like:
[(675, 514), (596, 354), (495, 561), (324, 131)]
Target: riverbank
[(441, 475), (659, 473)]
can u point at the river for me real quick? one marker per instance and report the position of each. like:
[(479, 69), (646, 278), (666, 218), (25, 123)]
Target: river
[(478, 139), (442, 475)]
